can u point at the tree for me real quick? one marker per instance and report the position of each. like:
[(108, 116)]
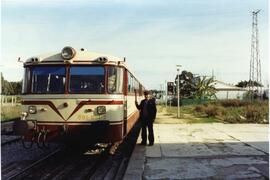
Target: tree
[(196, 87), (6, 88), (10, 88), (187, 84), (244, 84), (17, 87), (205, 88)]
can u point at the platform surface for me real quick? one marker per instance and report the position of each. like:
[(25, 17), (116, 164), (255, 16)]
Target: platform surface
[(203, 151)]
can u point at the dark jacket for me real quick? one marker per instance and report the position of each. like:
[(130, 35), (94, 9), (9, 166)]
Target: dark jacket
[(151, 108)]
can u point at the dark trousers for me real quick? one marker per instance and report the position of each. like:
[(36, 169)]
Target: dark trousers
[(146, 123)]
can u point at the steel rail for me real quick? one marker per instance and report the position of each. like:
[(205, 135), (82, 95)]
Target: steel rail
[(11, 141), (34, 164)]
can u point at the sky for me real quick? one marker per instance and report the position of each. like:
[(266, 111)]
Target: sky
[(203, 36)]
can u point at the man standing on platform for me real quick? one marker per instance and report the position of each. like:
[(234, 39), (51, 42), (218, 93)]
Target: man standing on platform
[(148, 112)]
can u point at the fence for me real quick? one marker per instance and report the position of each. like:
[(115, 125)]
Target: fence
[(10, 100), (185, 102)]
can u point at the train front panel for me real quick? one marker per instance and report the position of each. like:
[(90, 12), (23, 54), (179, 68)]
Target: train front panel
[(77, 94)]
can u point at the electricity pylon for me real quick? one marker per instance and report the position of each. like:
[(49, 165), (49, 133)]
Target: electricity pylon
[(255, 62)]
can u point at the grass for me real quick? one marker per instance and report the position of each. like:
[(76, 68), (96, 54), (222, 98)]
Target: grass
[(188, 115), (237, 111), (227, 111), (184, 109), (10, 112)]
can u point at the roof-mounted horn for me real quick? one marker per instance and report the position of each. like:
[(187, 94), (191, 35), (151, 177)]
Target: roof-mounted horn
[(102, 59), (34, 59)]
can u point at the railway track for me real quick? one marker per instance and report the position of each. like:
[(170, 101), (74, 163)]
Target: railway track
[(6, 127), (17, 174), (8, 139), (70, 164), (7, 135), (115, 166)]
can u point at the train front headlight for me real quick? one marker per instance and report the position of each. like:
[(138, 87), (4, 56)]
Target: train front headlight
[(32, 109), (68, 53), (101, 110)]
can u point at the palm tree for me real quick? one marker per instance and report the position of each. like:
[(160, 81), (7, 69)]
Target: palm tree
[(205, 88)]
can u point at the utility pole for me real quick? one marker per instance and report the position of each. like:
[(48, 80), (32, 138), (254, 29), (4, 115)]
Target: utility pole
[(255, 62), (166, 93), (161, 94), (178, 91)]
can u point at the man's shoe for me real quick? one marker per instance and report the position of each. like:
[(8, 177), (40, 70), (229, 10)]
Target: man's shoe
[(151, 144), (142, 143)]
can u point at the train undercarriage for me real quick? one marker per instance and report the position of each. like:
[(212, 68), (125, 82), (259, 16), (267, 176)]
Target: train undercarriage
[(100, 133)]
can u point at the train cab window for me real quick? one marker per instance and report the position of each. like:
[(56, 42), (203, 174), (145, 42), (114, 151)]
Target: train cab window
[(48, 79), (26, 80), (115, 79), (87, 79)]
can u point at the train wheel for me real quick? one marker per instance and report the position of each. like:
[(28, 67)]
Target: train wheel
[(27, 145)]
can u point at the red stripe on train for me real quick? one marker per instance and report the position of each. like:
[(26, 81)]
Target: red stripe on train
[(49, 103)]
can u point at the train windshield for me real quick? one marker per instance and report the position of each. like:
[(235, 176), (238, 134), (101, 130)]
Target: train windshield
[(46, 79), (87, 80)]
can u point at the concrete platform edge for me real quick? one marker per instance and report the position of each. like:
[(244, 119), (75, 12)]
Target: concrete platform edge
[(136, 163)]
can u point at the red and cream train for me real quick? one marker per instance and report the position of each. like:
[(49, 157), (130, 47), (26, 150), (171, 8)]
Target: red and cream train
[(77, 93)]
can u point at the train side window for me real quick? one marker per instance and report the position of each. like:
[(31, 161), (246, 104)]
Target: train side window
[(115, 79), (130, 83), (136, 85), (140, 90)]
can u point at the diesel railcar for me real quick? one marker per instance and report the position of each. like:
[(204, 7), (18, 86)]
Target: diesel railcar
[(78, 93)]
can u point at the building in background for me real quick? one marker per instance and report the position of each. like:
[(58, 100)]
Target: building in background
[(228, 91)]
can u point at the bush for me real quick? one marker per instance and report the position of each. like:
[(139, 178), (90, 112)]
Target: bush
[(233, 103), (230, 111), (232, 118), (234, 115), (211, 110), (199, 108), (255, 114)]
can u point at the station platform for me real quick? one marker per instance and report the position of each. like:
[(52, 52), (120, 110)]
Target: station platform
[(203, 151)]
